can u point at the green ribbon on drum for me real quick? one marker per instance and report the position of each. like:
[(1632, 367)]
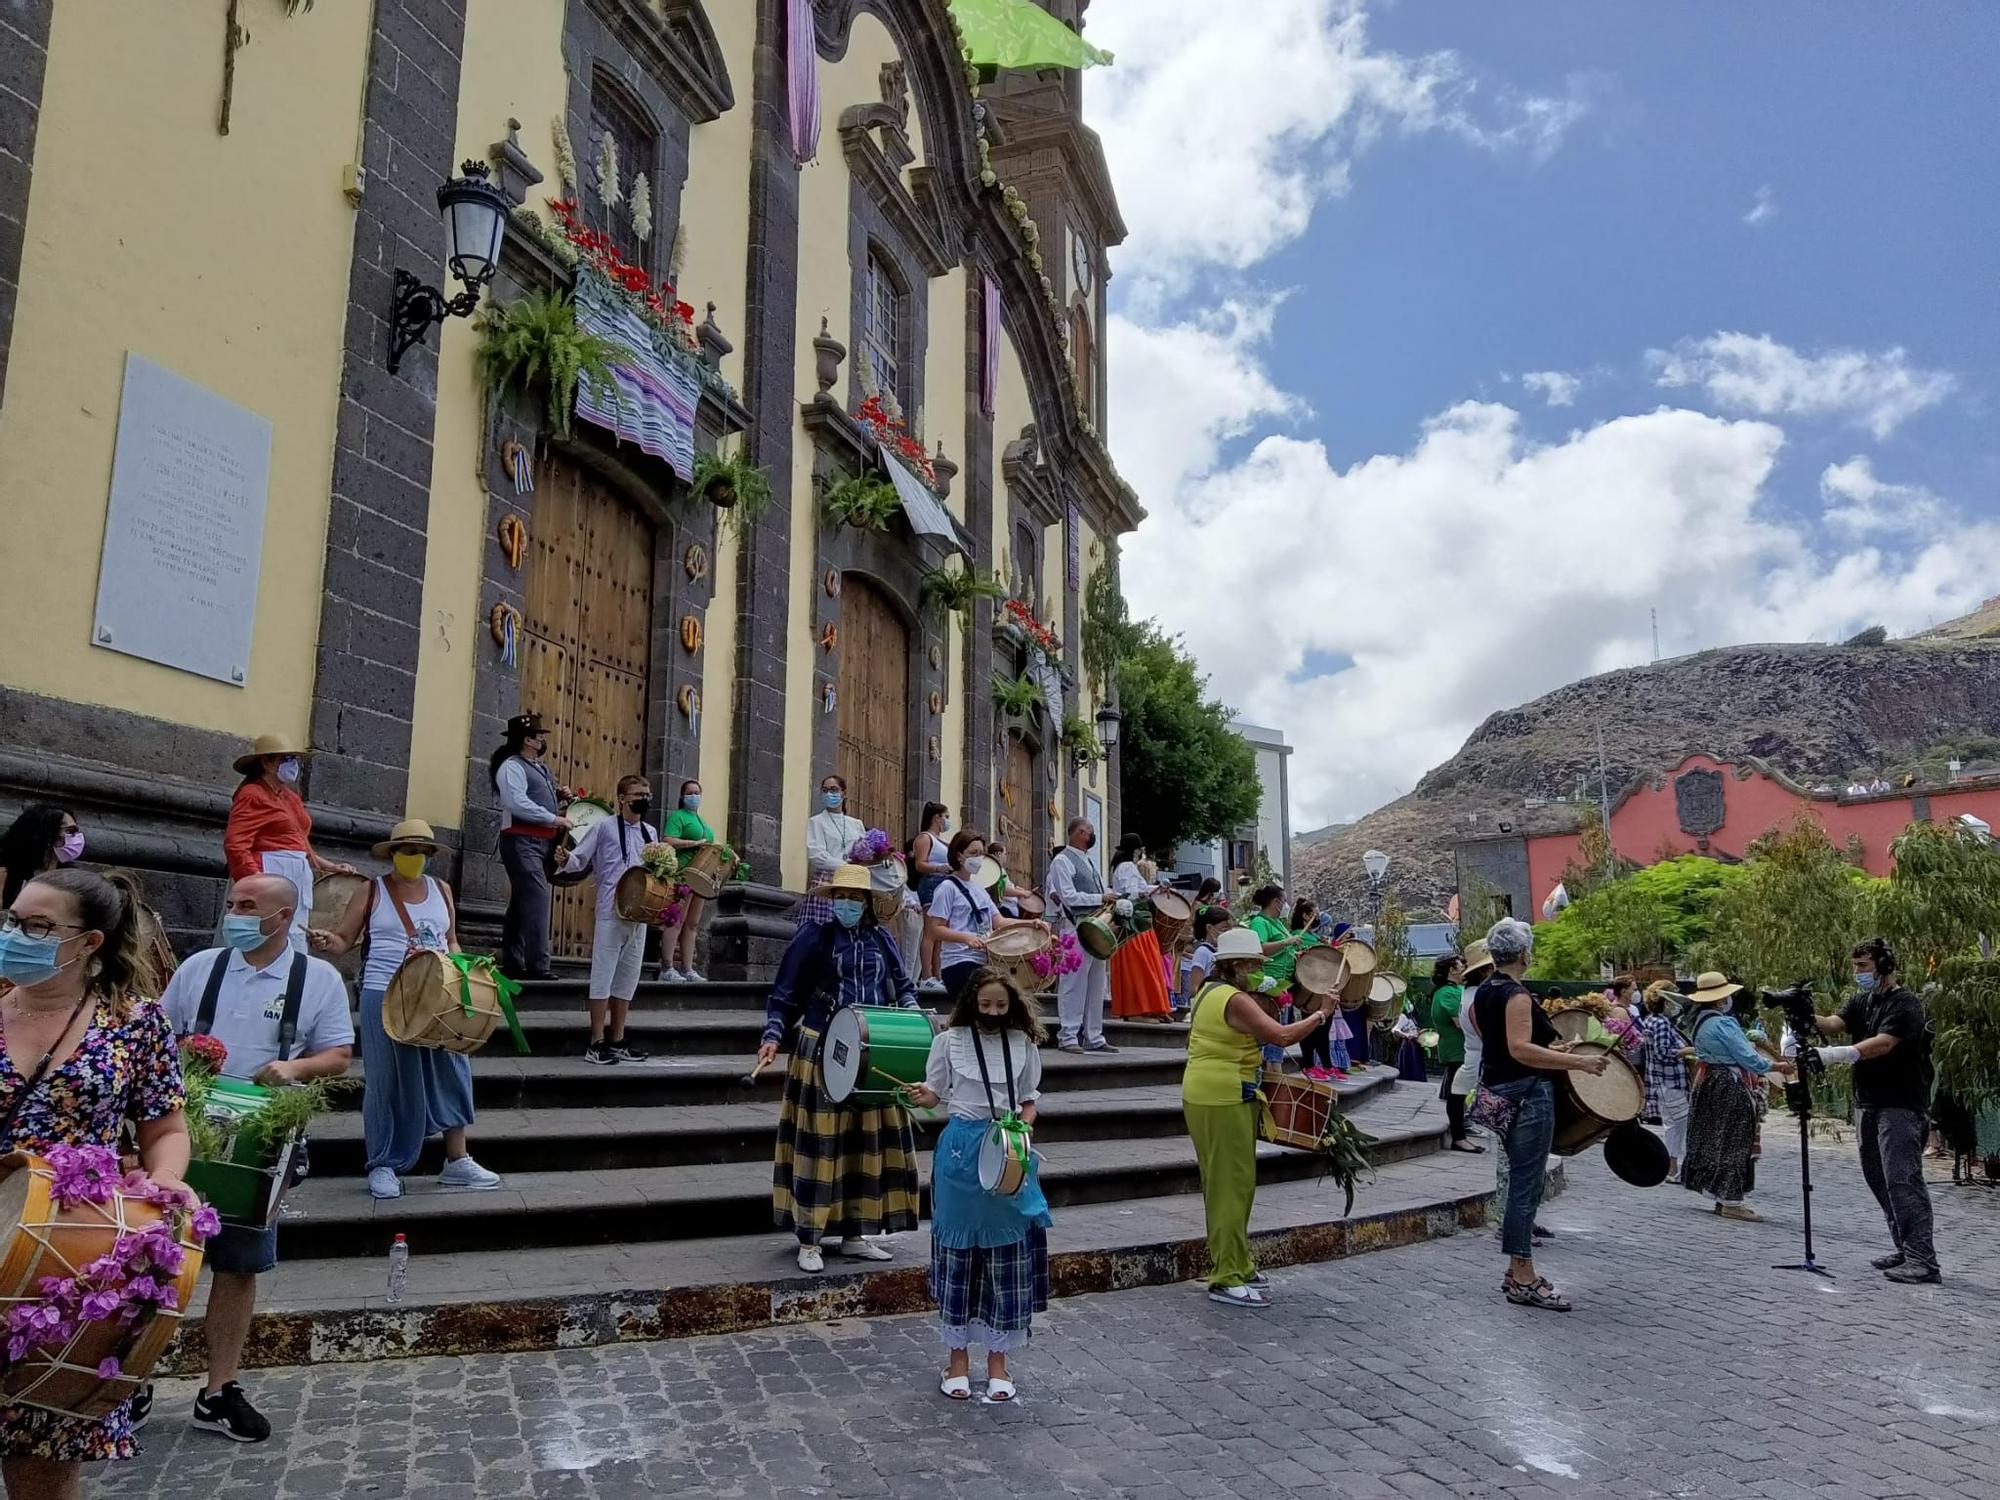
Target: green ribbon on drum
[(1014, 1138), (504, 991)]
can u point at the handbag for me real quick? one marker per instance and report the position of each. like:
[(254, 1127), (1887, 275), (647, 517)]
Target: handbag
[(1494, 1112)]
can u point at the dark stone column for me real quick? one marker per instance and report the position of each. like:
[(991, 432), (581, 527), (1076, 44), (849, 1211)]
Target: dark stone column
[(364, 686), (978, 477), (757, 771), (24, 55)]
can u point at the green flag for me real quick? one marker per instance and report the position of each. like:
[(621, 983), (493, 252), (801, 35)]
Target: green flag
[(1020, 34)]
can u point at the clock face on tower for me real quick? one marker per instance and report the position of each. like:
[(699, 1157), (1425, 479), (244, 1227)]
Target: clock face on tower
[(1080, 261)]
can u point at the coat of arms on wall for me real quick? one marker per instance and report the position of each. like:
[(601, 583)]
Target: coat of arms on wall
[(1698, 802)]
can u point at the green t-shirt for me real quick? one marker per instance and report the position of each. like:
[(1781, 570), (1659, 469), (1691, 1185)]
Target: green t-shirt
[(1444, 1016), (682, 824), (1277, 966)]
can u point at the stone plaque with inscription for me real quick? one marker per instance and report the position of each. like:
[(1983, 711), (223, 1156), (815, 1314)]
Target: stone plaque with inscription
[(184, 536), (1698, 801)]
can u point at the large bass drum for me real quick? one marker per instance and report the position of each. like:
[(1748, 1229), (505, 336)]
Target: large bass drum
[(1590, 1106)]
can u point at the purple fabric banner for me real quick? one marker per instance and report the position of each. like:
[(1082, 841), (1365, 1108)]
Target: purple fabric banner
[(989, 342), (802, 70), (651, 399)]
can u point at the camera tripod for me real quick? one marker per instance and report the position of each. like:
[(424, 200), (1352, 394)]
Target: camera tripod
[(1799, 1096)]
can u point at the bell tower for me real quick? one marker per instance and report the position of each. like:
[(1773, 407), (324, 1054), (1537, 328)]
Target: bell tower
[(1043, 148)]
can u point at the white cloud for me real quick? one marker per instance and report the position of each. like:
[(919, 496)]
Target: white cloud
[(1547, 557), (1553, 386), (1763, 209), (1755, 373), (1859, 504), (1226, 125)]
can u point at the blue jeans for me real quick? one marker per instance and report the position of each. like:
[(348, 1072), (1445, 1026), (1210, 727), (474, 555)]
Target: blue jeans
[(1527, 1146)]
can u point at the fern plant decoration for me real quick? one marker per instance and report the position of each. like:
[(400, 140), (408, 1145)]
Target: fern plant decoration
[(734, 485), (534, 345), (1016, 697), (862, 501), (954, 590)]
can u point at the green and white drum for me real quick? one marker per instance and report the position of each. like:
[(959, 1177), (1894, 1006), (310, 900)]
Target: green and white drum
[(873, 1052), (1097, 936)]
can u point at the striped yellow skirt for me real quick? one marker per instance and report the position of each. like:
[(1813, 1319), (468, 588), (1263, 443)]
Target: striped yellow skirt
[(841, 1170)]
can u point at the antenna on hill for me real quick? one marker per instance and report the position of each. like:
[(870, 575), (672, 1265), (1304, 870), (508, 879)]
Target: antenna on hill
[(1604, 808), (1655, 613)]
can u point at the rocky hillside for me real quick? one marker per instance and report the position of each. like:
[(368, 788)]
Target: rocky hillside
[(1819, 713)]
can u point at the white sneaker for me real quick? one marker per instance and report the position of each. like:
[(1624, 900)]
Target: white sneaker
[(467, 1173), (863, 1249), (932, 987), (671, 976), (811, 1260), (695, 976), (384, 1183)]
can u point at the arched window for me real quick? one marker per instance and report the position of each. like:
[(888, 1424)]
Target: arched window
[(636, 155), (1027, 565), (883, 327)]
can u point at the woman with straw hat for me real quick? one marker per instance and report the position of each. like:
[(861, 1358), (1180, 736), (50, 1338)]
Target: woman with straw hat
[(1227, 1033), (1722, 1121), (846, 1169), (269, 831), (412, 1093)]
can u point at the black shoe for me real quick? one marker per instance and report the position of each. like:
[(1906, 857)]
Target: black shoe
[(1912, 1274), (1888, 1262), (230, 1413), (142, 1407), (1100, 1046), (626, 1052), (542, 976), (601, 1054), (1543, 1234)]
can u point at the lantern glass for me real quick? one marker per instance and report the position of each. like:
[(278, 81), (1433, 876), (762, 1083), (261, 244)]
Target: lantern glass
[(475, 226), (1376, 863), (1108, 720)]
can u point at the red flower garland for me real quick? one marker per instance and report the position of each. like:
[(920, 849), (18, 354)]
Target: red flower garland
[(674, 316), (892, 434), (1040, 634)]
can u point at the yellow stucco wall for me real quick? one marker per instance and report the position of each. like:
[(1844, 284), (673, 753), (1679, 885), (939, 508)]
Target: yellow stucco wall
[(512, 69), (224, 258), (716, 210)]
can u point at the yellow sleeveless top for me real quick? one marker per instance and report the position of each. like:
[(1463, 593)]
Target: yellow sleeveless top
[(1221, 1059)]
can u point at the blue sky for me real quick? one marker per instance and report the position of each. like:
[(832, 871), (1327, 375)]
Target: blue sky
[(1682, 307)]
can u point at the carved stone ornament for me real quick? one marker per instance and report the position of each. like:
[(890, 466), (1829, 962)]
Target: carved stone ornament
[(936, 750), (829, 637), (1055, 776), (828, 352), (937, 702), (517, 173), (832, 583), (1698, 801), (691, 633), (937, 657), (696, 561)]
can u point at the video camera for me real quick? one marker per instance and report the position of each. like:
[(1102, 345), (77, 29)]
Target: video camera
[(1801, 1019)]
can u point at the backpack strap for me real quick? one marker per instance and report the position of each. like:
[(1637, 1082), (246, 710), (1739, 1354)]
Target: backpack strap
[(288, 1023), (211, 994)]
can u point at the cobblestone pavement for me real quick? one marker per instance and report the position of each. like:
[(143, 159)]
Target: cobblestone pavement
[(1690, 1368)]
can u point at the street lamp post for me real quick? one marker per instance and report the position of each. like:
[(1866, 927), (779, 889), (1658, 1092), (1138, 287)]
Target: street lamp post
[(1376, 863)]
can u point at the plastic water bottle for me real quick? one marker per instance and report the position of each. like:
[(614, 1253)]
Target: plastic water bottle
[(399, 1268)]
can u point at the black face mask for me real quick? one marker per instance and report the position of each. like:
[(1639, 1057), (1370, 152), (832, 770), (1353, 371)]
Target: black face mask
[(640, 806), (992, 1023)]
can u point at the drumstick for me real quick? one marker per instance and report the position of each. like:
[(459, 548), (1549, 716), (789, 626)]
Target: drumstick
[(751, 1076)]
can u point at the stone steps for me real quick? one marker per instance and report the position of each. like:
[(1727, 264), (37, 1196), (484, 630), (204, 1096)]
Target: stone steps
[(736, 1030), (586, 1205)]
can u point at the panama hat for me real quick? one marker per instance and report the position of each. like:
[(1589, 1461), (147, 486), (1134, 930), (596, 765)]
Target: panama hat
[(1238, 942), (1711, 989), (853, 879), (411, 833), (267, 745), (1475, 958)]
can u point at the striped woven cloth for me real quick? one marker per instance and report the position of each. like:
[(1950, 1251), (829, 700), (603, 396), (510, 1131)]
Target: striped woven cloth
[(651, 399)]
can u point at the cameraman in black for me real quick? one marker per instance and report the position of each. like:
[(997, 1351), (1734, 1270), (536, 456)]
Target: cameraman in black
[(1892, 1087)]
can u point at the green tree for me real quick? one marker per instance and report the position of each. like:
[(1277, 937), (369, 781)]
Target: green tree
[(1794, 912), (1186, 774), (1617, 923), (1940, 911)]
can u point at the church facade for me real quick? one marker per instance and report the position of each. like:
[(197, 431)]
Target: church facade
[(857, 268)]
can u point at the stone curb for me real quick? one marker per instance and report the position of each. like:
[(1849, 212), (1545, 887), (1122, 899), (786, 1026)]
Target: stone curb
[(586, 1320)]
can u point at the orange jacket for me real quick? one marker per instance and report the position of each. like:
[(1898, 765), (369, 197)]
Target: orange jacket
[(261, 820)]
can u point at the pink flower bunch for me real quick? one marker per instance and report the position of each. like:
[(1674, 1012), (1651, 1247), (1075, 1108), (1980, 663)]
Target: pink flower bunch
[(1065, 958), (129, 1282), (204, 1051), (671, 914), (873, 847)]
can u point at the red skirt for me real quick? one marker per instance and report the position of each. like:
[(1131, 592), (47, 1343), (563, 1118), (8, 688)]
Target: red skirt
[(1139, 980)]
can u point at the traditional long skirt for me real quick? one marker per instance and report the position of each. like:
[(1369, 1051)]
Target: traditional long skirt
[(1721, 1137), (1410, 1063), (989, 1253), (841, 1170), (1139, 980)]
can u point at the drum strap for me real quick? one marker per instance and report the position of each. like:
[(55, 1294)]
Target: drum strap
[(970, 904), (986, 1079), (288, 1022)]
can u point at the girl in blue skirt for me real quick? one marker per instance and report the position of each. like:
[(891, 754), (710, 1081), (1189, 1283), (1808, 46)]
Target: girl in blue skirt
[(989, 1250)]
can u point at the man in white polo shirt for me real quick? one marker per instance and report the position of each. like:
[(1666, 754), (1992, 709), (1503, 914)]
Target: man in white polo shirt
[(284, 1018)]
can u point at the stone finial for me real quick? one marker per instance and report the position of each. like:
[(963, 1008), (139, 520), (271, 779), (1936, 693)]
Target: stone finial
[(828, 352), (517, 173), (713, 344)]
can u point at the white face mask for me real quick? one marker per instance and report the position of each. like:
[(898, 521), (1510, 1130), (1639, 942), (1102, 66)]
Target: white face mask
[(974, 865)]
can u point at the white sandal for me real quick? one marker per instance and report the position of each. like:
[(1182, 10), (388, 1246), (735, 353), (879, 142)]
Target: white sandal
[(1001, 1389), (958, 1387), (1238, 1296)]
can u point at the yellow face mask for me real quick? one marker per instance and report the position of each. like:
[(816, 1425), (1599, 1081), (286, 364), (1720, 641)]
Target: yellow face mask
[(409, 866)]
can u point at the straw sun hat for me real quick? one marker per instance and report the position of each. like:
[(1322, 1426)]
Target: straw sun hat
[(853, 879), (1711, 988), (1476, 959), (267, 745), (411, 833), (1238, 942)]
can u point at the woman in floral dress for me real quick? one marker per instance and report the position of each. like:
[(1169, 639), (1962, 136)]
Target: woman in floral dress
[(79, 1055)]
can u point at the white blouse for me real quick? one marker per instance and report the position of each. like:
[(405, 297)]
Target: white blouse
[(829, 835), (953, 1071), (1127, 881), (949, 906)]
